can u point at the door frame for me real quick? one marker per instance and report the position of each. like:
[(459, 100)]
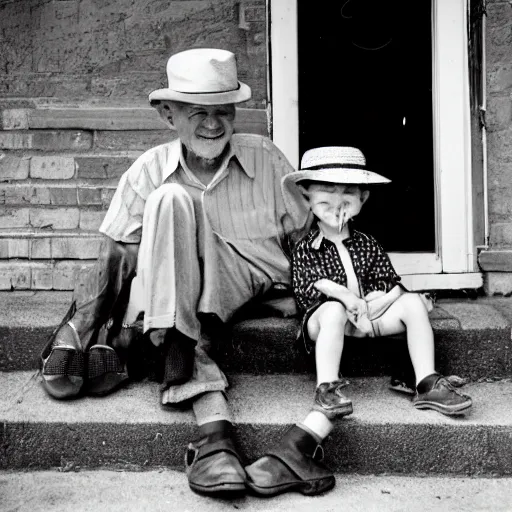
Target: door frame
[(453, 264)]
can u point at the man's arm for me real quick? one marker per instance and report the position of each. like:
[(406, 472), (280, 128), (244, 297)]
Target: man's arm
[(123, 221)]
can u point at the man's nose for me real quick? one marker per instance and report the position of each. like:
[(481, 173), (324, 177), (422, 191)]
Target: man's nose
[(211, 122)]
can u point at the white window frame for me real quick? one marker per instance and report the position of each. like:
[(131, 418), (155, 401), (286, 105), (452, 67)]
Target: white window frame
[(452, 265)]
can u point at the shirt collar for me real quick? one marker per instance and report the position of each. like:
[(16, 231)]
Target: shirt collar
[(316, 238), (247, 163), (316, 243)]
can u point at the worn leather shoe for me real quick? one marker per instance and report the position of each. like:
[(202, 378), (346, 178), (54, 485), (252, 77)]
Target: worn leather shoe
[(435, 392), (329, 399), (293, 465), (63, 363), (105, 372), (213, 467)]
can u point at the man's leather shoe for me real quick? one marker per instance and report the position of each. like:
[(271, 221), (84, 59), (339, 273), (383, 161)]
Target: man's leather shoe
[(293, 465), (105, 372), (213, 467), (63, 363)]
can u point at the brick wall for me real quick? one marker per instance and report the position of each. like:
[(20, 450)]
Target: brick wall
[(499, 122), (74, 80), (117, 49)]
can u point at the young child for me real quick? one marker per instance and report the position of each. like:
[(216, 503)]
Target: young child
[(346, 285)]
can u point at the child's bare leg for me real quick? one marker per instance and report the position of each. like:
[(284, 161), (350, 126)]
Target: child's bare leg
[(326, 328), (409, 313), (433, 391)]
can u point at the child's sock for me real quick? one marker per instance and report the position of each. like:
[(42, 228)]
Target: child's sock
[(317, 424)]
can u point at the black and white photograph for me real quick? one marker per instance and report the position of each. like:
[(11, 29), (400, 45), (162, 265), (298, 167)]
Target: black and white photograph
[(256, 255)]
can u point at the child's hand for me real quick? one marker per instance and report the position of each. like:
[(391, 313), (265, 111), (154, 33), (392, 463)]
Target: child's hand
[(356, 306), (332, 289), (353, 304)]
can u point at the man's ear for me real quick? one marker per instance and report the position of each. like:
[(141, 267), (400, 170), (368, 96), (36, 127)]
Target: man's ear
[(365, 194), (164, 109), (303, 190)]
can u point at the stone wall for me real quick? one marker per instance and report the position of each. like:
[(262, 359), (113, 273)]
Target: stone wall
[(74, 81), (497, 260), (117, 49), (499, 122)]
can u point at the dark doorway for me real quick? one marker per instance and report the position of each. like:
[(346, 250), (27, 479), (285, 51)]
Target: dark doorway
[(365, 80)]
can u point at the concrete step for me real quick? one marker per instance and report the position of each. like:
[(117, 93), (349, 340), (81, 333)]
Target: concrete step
[(472, 337), (385, 434), (167, 490)]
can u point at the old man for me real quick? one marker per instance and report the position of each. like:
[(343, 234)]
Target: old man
[(197, 228)]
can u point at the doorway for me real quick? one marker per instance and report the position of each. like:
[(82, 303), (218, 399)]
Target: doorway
[(430, 201), (365, 80)]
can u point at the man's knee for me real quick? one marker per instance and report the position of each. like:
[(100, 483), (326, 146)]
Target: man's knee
[(170, 193)]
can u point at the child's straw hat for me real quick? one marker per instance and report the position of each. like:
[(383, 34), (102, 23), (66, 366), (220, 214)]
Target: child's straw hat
[(335, 164)]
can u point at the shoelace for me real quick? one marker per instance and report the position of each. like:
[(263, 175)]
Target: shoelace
[(446, 383)]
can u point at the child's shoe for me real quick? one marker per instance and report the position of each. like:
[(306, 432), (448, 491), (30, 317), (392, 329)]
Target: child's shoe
[(406, 385), (330, 401), (401, 385), (435, 392)]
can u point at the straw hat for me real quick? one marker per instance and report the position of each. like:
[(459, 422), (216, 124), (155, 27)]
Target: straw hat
[(203, 76), (335, 164)]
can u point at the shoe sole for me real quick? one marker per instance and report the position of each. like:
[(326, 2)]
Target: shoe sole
[(449, 411), (335, 412), (62, 390), (220, 489), (402, 390), (307, 488)]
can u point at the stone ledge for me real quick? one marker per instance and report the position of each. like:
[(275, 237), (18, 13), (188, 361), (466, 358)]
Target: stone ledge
[(111, 118), (496, 261), (472, 339), (384, 435)]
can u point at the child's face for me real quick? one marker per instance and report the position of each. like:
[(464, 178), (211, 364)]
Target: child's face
[(335, 204)]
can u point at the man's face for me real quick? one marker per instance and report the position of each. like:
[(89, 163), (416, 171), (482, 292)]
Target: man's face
[(203, 129), (334, 204)]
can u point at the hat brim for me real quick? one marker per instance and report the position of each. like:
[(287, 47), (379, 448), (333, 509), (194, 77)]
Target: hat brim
[(243, 93), (346, 176)]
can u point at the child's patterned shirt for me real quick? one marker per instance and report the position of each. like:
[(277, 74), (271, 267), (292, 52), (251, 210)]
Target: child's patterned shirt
[(315, 257)]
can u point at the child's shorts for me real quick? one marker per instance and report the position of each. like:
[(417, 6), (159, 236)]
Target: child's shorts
[(376, 309)]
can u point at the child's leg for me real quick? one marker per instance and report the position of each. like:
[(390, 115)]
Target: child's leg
[(433, 391), (410, 314), (293, 464), (326, 328)]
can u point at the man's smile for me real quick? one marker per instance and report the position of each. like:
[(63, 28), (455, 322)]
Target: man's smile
[(210, 136)]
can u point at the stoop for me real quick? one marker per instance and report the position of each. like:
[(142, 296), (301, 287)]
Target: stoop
[(272, 387), (473, 339)]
